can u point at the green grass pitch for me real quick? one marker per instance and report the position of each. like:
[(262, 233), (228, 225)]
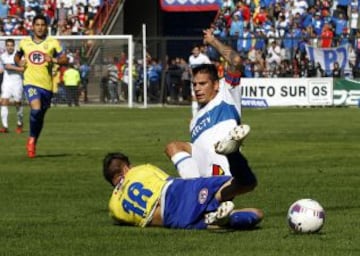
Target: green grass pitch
[(56, 204)]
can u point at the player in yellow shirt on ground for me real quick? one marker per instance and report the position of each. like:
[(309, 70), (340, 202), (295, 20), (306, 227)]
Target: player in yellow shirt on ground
[(38, 54), (144, 195)]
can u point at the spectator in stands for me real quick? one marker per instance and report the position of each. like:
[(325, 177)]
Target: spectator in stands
[(228, 4), (16, 9), (354, 18), (260, 40), (244, 42), (342, 6), (352, 56), (20, 30), (248, 69), (93, 7), (319, 71), (317, 24), (336, 71), (48, 9), (344, 38), (61, 15), (291, 41), (245, 12), (68, 5), (340, 23), (271, 34), (236, 26), (259, 64), (4, 9), (28, 23), (327, 36), (35, 5), (75, 25), (301, 6), (260, 16), (282, 25), (273, 54), (29, 13), (8, 27), (236, 30)]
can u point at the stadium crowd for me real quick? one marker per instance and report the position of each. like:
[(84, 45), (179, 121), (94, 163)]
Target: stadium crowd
[(66, 17), (270, 35)]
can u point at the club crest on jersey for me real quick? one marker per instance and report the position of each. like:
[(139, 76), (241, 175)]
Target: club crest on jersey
[(37, 57), (203, 195)]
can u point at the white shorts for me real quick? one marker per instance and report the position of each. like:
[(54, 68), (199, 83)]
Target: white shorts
[(209, 162), (12, 90)]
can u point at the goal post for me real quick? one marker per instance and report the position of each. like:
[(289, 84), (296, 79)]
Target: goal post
[(98, 51)]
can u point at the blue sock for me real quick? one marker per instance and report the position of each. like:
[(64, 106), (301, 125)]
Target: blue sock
[(36, 122), (244, 220)]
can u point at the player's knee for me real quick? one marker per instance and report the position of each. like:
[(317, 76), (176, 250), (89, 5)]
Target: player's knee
[(35, 114), (170, 149), (175, 147)]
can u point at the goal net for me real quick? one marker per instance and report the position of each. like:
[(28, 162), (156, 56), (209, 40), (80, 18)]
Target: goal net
[(99, 52)]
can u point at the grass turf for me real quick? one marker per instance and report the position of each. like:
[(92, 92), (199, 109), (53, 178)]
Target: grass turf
[(56, 204)]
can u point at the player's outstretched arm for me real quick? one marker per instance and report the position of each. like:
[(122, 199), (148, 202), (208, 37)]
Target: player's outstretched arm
[(230, 55), (14, 68)]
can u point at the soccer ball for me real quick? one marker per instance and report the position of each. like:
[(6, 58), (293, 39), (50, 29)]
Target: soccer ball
[(306, 216)]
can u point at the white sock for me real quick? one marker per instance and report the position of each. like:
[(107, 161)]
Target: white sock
[(185, 165), (4, 116), (19, 114), (194, 107)]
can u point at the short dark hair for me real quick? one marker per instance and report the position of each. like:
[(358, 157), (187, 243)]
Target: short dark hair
[(206, 69), (9, 40), (196, 46), (109, 174), (40, 17)]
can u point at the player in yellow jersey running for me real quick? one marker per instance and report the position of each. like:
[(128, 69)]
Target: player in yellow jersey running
[(37, 54)]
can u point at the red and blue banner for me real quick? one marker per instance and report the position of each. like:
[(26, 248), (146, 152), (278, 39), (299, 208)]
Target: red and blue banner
[(190, 5)]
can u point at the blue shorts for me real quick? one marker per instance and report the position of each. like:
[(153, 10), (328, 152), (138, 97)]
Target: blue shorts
[(187, 200), (34, 93)]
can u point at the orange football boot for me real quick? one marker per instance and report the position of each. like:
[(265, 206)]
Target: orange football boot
[(31, 147), (4, 130), (19, 129)]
